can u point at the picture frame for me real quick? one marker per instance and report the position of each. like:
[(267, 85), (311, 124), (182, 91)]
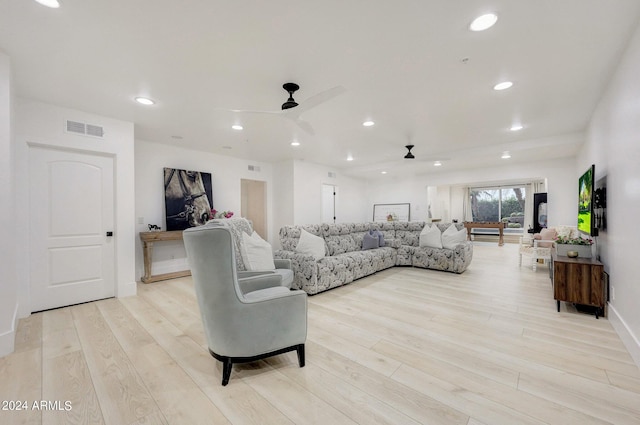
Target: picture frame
[(392, 212)]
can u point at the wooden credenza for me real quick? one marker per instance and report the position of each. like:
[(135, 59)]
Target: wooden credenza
[(579, 281), (148, 239)]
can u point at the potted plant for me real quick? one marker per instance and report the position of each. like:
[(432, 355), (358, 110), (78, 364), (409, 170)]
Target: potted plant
[(580, 245)]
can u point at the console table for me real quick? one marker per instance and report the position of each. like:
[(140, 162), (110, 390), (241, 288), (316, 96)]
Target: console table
[(148, 239), (579, 281), (484, 225)]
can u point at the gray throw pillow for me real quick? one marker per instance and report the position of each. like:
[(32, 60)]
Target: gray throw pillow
[(380, 236), (369, 241)]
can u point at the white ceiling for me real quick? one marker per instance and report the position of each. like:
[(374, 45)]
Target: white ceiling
[(401, 63)]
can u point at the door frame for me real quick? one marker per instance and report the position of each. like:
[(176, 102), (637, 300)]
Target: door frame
[(47, 152)]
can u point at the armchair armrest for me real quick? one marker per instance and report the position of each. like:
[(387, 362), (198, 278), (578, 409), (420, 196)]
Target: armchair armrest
[(282, 263), (254, 281), (543, 243)]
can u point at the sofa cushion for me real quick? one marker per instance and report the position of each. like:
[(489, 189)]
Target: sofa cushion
[(452, 237), (370, 241), (289, 235), (309, 244), (431, 237), (408, 232), (256, 253)]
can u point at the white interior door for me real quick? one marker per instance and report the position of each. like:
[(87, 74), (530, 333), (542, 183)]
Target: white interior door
[(329, 192), (72, 257)]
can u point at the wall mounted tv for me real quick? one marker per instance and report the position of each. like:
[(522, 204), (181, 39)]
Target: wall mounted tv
[(586, 221)]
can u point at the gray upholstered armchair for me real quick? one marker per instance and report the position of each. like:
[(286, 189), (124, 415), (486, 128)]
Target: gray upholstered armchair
[(242, 326)]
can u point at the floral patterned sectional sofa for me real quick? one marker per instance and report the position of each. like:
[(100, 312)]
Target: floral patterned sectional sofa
[(345, 261)]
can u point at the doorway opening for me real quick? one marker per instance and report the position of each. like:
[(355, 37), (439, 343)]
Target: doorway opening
[(253, 194)]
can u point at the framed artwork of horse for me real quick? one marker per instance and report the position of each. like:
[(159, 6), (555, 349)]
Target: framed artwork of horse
[(187, 198)]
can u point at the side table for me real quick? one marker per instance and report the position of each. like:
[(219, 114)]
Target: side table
[(148, 239)]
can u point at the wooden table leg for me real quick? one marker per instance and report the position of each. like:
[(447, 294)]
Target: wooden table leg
[(147, 251), (501, 240)]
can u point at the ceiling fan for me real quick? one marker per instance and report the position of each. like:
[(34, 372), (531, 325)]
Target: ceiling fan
[(292, 109), (435, 159), (409, 155)]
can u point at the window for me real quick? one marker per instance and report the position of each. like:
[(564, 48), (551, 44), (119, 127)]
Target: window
[(494, 204)]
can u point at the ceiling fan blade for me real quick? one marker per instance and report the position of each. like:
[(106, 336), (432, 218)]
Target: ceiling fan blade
[(251, 111), (317, 99), (304, 125)]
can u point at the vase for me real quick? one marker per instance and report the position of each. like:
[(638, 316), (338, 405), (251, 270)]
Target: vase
[(584, 251)]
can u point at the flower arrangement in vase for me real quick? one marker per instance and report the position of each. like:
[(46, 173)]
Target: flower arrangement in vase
[(221, 214), (573, 247)]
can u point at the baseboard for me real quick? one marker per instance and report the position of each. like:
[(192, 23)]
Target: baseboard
[(626, 335), (8, 339), (127, 289)]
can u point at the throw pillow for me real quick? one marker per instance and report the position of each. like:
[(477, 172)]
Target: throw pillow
[(453, 237), (431, 237), (380, 236), (370, 241), (256, 252), (547, 235), (310, 245)]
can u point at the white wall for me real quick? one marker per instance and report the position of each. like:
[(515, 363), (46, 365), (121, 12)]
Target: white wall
[(400, 191), (613, 145), (8, 283), (308, 178), (226, 175), (560, 174), (282, 198), (38, 123)]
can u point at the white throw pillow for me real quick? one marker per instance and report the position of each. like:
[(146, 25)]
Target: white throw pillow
[(256, 252), (452, 237), (310, 245), (430, 237)]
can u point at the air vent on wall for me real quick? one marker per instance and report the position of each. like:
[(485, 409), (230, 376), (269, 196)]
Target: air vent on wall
[(84, 129), (254, 168), (331, 174)]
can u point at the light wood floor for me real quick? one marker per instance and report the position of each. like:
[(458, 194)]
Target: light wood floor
[(404, 346)]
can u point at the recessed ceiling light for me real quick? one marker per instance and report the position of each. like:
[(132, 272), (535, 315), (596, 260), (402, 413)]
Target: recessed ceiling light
[(50, 3), (295, 143), (383, 172), (503, 85), (483, 22), (237, 127), (368, 123), (437, 164), (516, 127), (349, 158), (506, 155), (144, 101)]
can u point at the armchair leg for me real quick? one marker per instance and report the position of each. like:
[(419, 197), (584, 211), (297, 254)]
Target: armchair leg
[(300, 351), (226, 370)]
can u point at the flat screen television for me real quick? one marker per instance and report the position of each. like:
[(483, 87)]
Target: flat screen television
[(586, 217)]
